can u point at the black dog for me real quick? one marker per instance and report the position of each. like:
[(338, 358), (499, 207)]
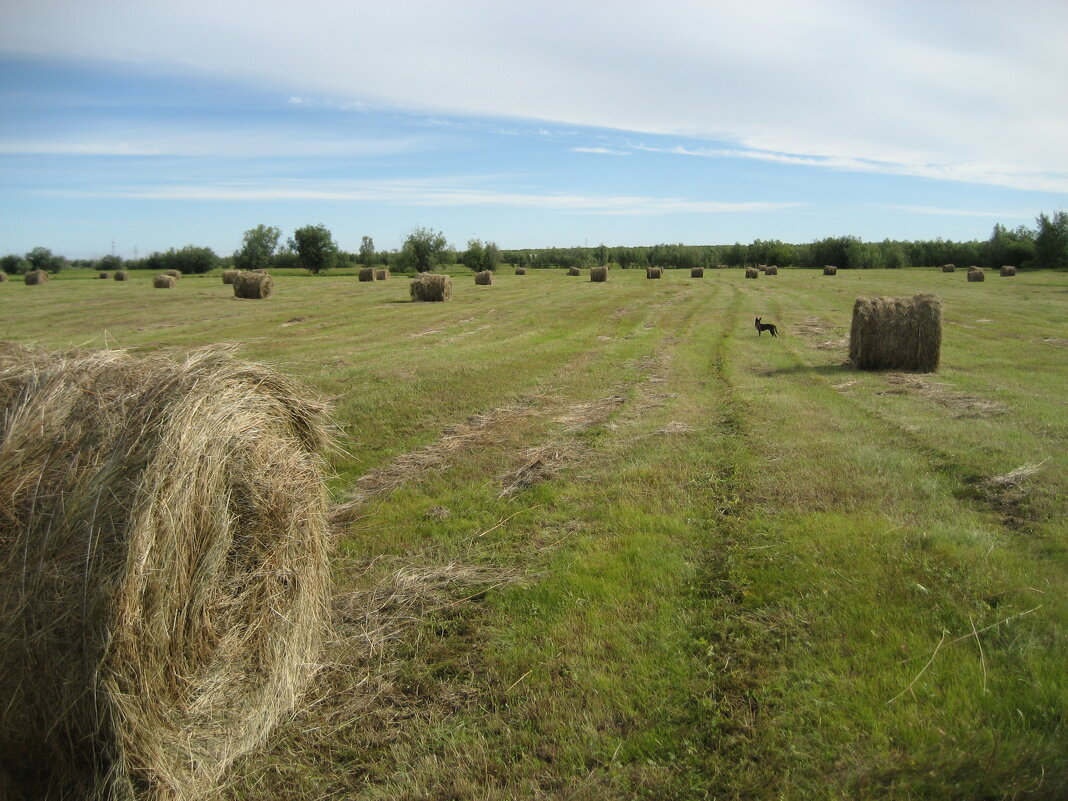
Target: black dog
[(765, 327)]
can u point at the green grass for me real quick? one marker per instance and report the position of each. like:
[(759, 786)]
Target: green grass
[(739, 569)]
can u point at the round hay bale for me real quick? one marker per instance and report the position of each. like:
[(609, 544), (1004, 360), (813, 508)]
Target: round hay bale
[(163, 281), (830, 270), (484, 278), (431, 287), (976, 274), (122, 275), (381, 275), (3, 276), (367, 274), (253, 286), (103, 275), (175, 274), (34, 277), (229, 276), (654, 272), (163, 571), (896, 333), (599, 274), (697, 272), (1008, 270), (574, 271), (520, 270), (949, 268), (771, 270), (751, 272)]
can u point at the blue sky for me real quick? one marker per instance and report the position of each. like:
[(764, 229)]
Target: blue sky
[(530, 124)]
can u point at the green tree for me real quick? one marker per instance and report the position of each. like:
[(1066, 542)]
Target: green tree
[(367, 251), (1051, 241), (43, 259), (424, 249), (315, 247), (257, 248), (12, 264), (109, 262), (481, 256), (192, 259)]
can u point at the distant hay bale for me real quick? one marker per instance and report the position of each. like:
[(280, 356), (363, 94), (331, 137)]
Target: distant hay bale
[(34, 277), (381, 274), (896, 333), (253, 286), (103, 275), (163, 571), (976, 274), (260, 270), (949, 268), (574, 271), (654, 272), (484, 278), (1008, 270), (122, 275), (163, 281), (721, 267), (431, 287), (830, 270), (771, 270), (697, 272), (175, 274), (599, 274), (3, 276), (762, 267), (751, 272), (520, 271), (229, 276), (366, 274)]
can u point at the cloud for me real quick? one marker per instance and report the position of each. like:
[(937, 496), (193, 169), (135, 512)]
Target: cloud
[(1002, 215), (604, 151)]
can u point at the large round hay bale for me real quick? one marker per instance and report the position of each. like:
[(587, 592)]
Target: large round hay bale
[(3, 276), (163, 281), (103, 275), (34, 277), (229, 276), (381, 274), (771, 269), (574, 271), (431, 287), (366, 274), (697, 272), (976, 274), (175, 274), (599, 274), (896, 333), (751, 272), (1008, 270), (122, 275), (484, 278), (163, 572), (949, 268), (520, 270), (829, 269), (253, 286), (654, 272)]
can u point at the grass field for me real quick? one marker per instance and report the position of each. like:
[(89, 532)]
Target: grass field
[(602, 541)]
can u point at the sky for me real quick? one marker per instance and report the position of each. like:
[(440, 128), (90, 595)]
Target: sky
[(130, 126)]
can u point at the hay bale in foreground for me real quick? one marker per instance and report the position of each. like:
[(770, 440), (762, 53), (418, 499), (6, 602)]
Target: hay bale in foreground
[(381, 275), (122, 275), (599, 274), (976, 274), (520, 271), (163, 281), (34, 277), (896, 333), (771, 270), (175, 274), (431, 288), (103, 275), (949, 268), (697, 272), (253, 286), (484, 278), (574, 271), (654, 272), (163, 572), (751, 272), (229, 276), (366, 274), (3, 276), (1008, 270), (829, 269)]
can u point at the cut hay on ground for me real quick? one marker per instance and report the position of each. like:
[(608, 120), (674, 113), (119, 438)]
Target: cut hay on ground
[(34, 277), (162, 281), (381, 274), (697, 272), (253, 286), (896, 333), (175, 274), (829, 269), (949, 268), (599, 274), (163, 570), (229, 276), (520, 271), (751, 272), (484, 278), (122, 275), (654, 272), (771, 270), (1008, 270), (976, 274), (431, 287), (367, 274), (103, 275), (574, 271)]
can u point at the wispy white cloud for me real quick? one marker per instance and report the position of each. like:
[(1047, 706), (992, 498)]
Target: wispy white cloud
[(603, 151), (1000, 215)]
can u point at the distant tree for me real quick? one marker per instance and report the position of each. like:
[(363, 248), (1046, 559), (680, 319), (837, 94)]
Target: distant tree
[(43, 259), (109, 262), (1051, 241), (424, 249), (315, 247), (192, 259), (259, 245), (13, 264), (1009, 247), (481, 256), (367, 251)]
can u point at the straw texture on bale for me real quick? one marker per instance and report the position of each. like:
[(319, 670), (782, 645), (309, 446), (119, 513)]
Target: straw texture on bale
[(771, 270), (830, 270), (896, 333), (520, 270), (697, 272), (163, 571), (162, 281), (949, 268), (751, 272), (654, 272), (253, 286), (34, 277), (431, 287), (381, 275), (175, 274), (103, 275), (574, 271), (122, 275), (229, 276), (975, 274), (367, 274), (484, 278), (599, 274), (3, 276), (1008, 270)]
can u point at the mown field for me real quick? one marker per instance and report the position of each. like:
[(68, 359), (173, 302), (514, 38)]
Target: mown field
[(602, 541)]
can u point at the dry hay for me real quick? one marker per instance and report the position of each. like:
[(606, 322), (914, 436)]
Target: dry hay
[(122, 275), (520, 271), (162, 281), (253, 286), (949, 268), (175, 274), (574, 271), (654, 272), (722, 267), (103, 275), (229, 276), (1008, 270), (431, 287), (976, 274), (772, 270), (830, 270), (366, 274), (697, 272), (163, 568), (484, 278), (3, 276), (34, 277), (896, 333), (381, 274), (751, 272), (599, 274), (961, 405)]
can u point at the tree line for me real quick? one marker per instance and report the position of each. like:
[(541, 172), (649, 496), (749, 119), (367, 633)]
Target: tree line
[(312, 247)]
